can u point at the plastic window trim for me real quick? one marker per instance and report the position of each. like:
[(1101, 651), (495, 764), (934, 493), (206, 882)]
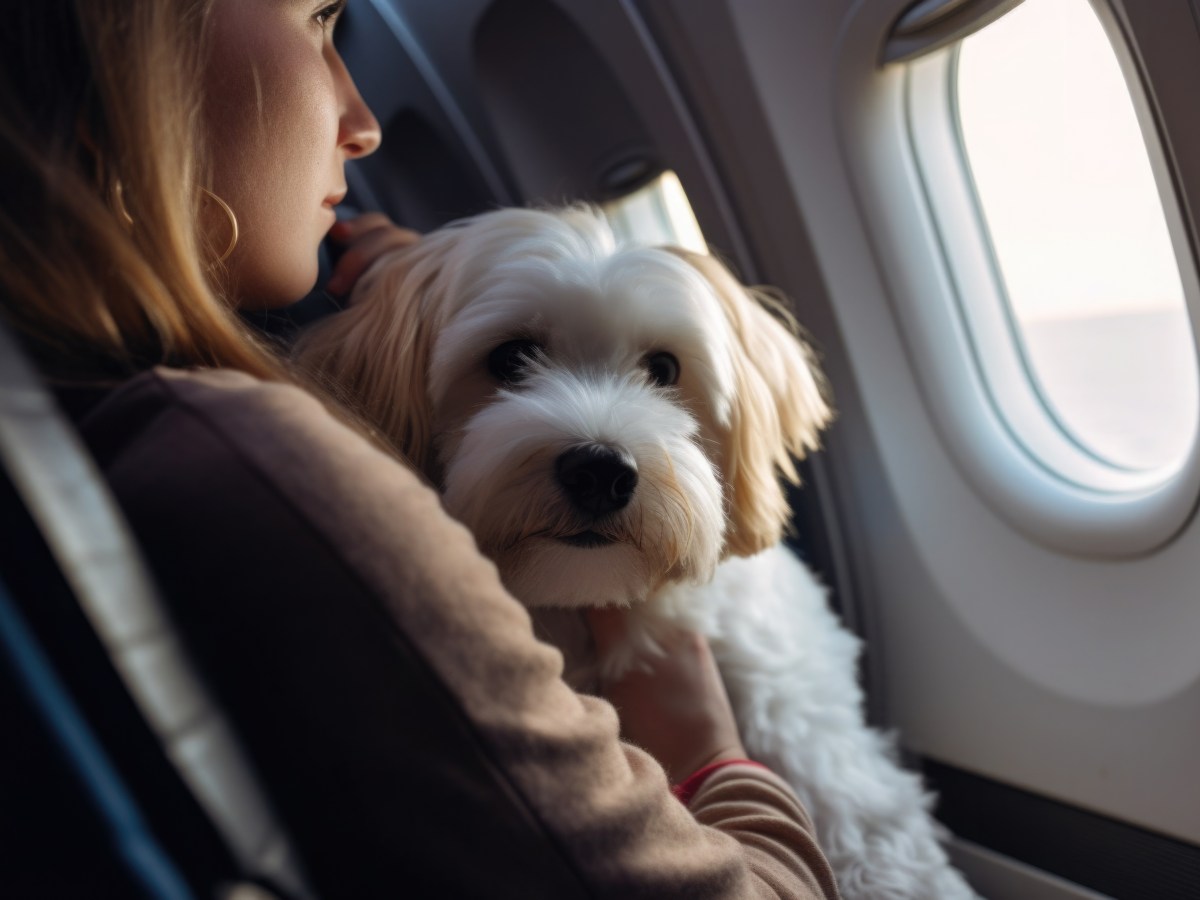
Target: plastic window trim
[(968, 358)]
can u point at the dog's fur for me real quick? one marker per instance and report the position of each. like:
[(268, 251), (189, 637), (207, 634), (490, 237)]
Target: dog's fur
[(698, 542)]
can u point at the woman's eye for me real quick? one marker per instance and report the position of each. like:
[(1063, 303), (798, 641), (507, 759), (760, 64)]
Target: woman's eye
[(663, 369), (508, 362), (327, 15)]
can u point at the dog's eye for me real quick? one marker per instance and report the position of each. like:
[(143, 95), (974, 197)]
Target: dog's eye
[(508, 362), (663, 369)]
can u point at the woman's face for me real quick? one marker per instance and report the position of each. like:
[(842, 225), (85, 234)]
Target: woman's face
[(283, 117)]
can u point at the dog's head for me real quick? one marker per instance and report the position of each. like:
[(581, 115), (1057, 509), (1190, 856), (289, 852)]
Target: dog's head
[(604, 419)]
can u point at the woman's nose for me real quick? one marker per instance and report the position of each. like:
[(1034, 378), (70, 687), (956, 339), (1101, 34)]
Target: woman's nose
[(358, 129)]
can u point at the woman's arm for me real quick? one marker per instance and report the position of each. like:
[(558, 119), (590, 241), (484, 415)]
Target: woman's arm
[(414, 735)]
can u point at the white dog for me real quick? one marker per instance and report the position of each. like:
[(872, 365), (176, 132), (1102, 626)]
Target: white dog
[(612, 424)]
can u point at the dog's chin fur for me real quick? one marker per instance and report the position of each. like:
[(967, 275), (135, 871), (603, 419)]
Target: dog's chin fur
[(551, 573), (709, 453)]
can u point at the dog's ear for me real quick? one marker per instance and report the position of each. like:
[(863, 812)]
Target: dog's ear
[(375, 355), (777, 411)]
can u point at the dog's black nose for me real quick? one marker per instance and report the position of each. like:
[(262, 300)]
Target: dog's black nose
[(598, 479)]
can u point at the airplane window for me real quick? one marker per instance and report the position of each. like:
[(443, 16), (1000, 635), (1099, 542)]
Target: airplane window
[(658, 213), (1078, 233)]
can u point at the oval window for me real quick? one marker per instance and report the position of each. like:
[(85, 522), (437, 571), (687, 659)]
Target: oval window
[(1066, 190)]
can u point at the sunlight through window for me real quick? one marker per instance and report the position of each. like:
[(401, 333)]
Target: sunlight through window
[(1081, 243), (658, 213)]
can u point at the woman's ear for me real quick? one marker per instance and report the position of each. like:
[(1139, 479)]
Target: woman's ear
[(777, 411), (375, 355)]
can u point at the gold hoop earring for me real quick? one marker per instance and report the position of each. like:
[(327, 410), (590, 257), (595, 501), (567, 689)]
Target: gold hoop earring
[(233, 223), (113, 189), (118, 202)]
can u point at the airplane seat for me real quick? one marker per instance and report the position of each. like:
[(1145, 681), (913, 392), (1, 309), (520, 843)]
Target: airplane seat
[(120, 776)]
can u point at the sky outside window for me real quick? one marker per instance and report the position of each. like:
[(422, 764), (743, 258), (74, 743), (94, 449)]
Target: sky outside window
[(1070, 202)]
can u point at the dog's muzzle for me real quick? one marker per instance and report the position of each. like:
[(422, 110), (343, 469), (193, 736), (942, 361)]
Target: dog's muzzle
[(596, 478)]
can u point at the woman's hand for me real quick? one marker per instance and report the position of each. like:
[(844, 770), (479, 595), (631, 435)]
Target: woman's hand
[(678, 711), (367, 237)]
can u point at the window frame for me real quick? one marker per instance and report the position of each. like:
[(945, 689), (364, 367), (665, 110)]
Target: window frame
[(968, 354)]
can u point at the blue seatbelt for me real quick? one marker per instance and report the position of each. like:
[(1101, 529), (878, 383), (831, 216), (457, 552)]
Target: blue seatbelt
[(150, 865)]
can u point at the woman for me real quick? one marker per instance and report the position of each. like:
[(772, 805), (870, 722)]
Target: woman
[(164, 163)]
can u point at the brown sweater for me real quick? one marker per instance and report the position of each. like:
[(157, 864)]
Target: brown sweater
[(414, 736)]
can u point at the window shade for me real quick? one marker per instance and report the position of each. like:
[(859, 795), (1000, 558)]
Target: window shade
[(929, 24)]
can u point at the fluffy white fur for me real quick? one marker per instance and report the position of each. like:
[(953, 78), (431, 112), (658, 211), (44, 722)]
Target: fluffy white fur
[(698, 542)]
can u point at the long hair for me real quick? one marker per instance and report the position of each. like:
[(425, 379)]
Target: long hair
[(104, 269)]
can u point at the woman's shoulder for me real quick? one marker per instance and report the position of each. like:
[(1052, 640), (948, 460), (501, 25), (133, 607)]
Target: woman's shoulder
[(173, 420), (224, 402), (247, 456)]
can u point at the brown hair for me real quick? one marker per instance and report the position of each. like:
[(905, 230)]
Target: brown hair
[(104, 269)]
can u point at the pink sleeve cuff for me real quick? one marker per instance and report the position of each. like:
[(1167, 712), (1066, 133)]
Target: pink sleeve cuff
[(685, 790)]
